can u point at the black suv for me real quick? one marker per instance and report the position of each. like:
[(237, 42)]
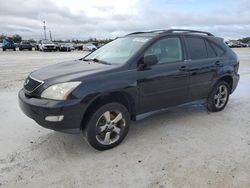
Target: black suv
[(132, 75)]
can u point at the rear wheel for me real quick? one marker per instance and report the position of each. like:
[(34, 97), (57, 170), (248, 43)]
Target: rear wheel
[(107, 126), (219, 96), (4, 49), (14, 49)]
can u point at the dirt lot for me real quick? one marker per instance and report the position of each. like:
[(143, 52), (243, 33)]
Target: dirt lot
[(182, 147)]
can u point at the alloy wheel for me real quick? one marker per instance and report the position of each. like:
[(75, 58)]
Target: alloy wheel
[(220, 97), (109, 127)]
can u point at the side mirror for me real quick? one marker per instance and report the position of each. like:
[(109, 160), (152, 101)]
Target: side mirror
[(150, 60)]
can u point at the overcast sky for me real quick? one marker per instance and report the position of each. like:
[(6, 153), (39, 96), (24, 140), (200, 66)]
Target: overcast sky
[(81, 19)]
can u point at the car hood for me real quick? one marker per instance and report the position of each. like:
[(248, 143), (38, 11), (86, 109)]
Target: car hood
[(68, 71), (49, 45)]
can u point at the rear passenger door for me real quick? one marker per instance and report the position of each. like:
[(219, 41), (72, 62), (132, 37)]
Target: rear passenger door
[(202, 66)]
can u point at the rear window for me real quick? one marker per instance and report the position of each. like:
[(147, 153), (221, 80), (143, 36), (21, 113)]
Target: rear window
[(196, 47)]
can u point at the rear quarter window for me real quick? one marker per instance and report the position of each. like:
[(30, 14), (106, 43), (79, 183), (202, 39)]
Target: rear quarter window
[(219, 51), (210, 50)]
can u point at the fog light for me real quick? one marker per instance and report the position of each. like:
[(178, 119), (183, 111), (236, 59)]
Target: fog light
[(54, 118)]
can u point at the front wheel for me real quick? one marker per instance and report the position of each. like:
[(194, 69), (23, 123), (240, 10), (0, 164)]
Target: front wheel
[(107, 126), (219, 96)]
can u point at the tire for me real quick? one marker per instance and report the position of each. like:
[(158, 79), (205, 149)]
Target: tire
[(14, 49), (4, 49), (218, 97), (20, 49), (30, 49), (102, 131)]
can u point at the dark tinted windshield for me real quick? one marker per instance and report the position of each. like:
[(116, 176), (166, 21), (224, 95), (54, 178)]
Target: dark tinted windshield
[(25, 42), (47, 42)]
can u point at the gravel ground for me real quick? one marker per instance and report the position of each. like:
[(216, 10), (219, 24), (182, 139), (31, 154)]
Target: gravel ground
[(181, 147)]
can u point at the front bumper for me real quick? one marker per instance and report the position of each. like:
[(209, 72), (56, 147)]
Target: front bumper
[(38, 109), (50, 48)]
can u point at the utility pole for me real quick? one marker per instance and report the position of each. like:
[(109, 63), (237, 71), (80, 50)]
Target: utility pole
[(50, 35), (44, 28)]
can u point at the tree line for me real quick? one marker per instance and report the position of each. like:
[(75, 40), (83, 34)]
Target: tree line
[(17, 39)]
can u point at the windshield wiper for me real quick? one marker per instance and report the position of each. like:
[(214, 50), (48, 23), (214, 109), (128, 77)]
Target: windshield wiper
[(97, 61)]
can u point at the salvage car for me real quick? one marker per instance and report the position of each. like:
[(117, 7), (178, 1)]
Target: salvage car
[(64, 47), (89, 47), (46, 45), (139, 73), (8, 44), (25, 45)]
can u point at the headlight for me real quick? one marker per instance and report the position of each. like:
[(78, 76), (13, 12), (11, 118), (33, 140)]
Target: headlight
[(59, 91)]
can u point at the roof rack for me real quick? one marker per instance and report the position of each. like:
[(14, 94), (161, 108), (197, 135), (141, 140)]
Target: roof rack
[(143, 32), (188, 31), (172, 31)]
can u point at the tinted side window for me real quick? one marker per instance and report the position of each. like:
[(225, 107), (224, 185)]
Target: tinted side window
[(167, 50), (210, 51), (218, 50), (196, 47)]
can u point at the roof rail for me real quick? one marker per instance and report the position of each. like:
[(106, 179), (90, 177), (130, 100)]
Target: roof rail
[(172, 31), (153, 31), (188, 31), (137, 33)]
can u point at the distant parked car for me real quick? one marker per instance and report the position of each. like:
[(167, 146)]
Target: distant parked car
[(243, 45), (25, 45), (236, 44), (8, 44), (57, 44), (78, 46), (64, 47), (71, 46), (46, 45), (33, 44), (89, 47), (230, 44)]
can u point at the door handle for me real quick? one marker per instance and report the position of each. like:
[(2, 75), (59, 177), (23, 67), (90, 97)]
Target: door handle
[(183, 68), (218, 63)]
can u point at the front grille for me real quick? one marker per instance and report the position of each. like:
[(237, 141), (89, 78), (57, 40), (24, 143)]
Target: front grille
[(50, 47), (31, 84)]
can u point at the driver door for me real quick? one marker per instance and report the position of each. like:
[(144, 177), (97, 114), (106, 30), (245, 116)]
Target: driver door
[(166, 83)]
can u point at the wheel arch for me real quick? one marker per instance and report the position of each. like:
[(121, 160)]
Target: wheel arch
[(228, 79), (116, 96)]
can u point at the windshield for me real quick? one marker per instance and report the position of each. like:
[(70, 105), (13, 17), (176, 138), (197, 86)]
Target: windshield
[(118, 51), (47, 42)]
